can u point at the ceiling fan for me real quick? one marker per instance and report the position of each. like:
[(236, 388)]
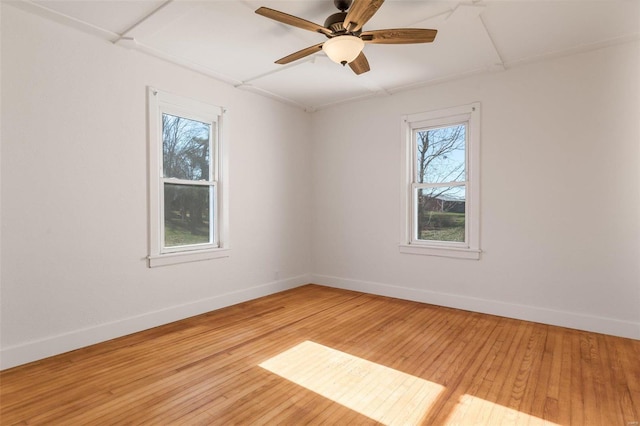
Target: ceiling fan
[(345, 33)]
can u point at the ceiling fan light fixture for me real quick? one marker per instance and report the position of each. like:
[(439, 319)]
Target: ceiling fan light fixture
[(343, 49)]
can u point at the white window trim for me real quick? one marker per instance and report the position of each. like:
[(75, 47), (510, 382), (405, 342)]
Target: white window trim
[(470, 249), (159, 102)]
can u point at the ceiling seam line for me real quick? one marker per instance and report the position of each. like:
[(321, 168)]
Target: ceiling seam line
[(493, 43), (140, 21), (277, 70)]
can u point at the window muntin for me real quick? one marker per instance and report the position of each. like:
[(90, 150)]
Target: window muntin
[(187, 175), (440, 185)]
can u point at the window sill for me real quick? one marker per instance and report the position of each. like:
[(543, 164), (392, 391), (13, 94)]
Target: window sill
[(452, 252), (186, 256)]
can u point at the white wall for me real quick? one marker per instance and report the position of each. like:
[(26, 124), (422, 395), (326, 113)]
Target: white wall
[(560, 195), (74, 193)]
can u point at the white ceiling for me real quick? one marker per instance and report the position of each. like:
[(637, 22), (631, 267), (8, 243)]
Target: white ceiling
[(227, 40)]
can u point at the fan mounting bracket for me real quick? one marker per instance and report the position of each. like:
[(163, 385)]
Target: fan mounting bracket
[(342, 5)]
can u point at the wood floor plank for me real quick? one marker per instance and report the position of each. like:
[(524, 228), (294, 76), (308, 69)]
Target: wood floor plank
[(625, 372), (548, 388), (450, 366)]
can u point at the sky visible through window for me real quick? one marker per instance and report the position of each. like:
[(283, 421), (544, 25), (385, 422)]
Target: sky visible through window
[(440, 154)]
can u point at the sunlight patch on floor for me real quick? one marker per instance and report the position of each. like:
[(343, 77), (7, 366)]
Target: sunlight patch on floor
[(474, 410), (381, 393)]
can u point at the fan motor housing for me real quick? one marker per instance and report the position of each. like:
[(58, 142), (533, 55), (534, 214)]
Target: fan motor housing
[(335, 24), (335, 21)]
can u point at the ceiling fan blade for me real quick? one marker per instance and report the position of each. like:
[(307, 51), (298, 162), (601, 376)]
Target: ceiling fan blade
[(285, 18), (360, 12), (399, 36), (300, 54), (360, 64)]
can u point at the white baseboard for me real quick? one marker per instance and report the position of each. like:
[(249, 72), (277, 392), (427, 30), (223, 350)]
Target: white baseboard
[(54, 345), (574, 320), (35, 350)]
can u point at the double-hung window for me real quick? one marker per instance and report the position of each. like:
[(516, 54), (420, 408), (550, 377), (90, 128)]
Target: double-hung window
[(441, 182), (187, 180)]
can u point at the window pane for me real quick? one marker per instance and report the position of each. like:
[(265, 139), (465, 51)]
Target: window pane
[(440, 154), (441, 214), (185, 148), (187, 213)]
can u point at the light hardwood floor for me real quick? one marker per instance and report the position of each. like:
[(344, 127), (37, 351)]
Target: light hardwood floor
[(320, 355)]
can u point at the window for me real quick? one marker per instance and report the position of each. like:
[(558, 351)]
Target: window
[(187, 180), (440, 186)]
